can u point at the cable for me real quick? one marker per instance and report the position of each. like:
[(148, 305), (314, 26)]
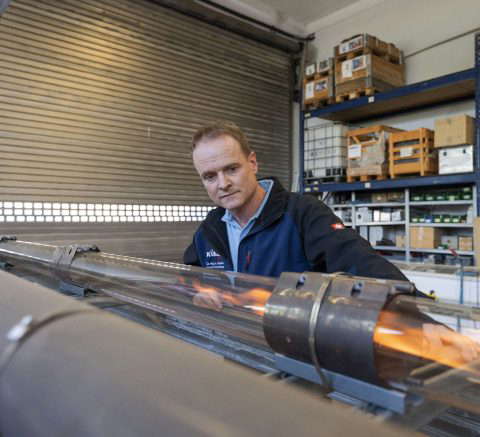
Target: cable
[(28, 326)]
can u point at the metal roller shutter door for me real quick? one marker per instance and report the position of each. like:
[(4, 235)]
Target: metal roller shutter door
[(98, 103)]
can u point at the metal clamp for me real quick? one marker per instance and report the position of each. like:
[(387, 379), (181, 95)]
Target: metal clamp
[(312, 327), (64, 255)]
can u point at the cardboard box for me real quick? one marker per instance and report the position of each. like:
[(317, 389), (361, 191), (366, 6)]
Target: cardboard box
[(395, 196), (398, 215), (318, 89), (476, 240), (424, 237), (400, 240), (367, 70), (376, 234), (451, 241), (386, 215), (364, 215), (465, 243), (379, 197), (363, 231), (454, 131), (455, 160)]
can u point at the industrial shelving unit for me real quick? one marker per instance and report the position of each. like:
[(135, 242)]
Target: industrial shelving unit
[(463, 85), (407, 205)]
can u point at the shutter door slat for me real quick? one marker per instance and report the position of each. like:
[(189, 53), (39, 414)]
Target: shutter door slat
[(98, 103)]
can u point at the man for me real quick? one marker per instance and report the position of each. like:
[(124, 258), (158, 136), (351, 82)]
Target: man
[(262, 229), (259, 227)]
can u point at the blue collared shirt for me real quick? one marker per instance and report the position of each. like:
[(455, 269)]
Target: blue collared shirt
[(235, 232)]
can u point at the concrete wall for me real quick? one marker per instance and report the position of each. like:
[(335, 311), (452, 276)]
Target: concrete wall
[(415, 26), (437, 37)]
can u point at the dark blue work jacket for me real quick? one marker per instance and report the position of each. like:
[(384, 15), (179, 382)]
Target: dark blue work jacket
[(294, 233)]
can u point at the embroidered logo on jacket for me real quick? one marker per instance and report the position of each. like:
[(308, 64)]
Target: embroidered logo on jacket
[(213, 260), (337, 226)]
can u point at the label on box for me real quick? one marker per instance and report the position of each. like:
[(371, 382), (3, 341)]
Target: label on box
[(348, 67), (310, 70), (324, 65), (351, 44), (321, 85), (355, 151), (309, 90), (406, 151)]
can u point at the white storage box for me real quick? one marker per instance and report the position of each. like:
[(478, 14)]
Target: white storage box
[(376, 234), (364, 215), (455, 160)]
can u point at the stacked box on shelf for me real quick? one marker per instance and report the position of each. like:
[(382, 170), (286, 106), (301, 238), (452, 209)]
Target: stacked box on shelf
[(412, 153), (365, 65), (454, 137), (318, 84), (325, 157), (367, 153)]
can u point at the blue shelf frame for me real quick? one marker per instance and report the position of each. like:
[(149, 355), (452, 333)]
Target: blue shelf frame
[(440, 180), (452, 87)]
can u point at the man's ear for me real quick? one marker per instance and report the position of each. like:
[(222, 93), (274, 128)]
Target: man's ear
[(252, 160)]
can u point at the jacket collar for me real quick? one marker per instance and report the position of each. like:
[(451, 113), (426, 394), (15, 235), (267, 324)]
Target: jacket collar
[(216, 230)]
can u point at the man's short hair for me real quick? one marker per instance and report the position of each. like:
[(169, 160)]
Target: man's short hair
[(218, 129)]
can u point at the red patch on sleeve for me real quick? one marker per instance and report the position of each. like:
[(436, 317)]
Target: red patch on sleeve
[(337, 226)]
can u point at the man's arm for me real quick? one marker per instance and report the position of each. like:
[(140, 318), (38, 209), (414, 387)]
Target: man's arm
[(331, 248), (190, 255)]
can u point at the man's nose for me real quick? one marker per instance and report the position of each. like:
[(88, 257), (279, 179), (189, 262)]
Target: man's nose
[(223, 182)]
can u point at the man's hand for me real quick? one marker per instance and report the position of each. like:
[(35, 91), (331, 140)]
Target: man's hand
[(208, 299)]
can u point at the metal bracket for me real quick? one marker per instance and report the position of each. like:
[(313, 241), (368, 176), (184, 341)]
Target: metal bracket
[(62, 260), (64, 255), (5, 238), (4, 265)]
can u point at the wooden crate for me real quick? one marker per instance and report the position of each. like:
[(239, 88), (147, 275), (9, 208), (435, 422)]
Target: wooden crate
[(325, 68), (412, 153), (367, 44), (369, 66), (319, 69), (367, 152), (365, 75), (318, 92)]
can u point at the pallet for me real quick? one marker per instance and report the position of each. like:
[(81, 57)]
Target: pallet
[(355, 94), (367, 178), (318, 103), (412, 153), (370, 42), (368, 173)]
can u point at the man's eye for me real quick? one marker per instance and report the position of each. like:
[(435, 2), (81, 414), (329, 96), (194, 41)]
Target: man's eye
[(209, 177), (232, 169)]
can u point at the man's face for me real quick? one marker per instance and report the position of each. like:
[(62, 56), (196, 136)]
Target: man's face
[(227, 174)]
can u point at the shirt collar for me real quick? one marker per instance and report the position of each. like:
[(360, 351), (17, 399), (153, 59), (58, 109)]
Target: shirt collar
[(267, 185)]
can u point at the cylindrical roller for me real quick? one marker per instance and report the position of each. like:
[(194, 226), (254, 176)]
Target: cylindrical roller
[(166, 288), (90, 373)]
